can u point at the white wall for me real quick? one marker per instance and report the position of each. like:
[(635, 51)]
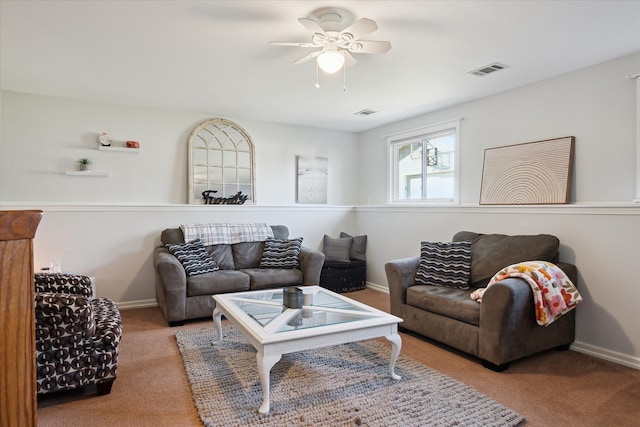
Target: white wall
[(596, 105), (599, 231), (44, 136), (108, 226)]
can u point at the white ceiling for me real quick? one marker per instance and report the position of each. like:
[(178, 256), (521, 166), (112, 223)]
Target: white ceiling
[(213, 56)]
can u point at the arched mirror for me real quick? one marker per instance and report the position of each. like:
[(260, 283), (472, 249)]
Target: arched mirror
[(220, 164)]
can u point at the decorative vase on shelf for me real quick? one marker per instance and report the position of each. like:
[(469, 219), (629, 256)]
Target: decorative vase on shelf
[(84, 164)]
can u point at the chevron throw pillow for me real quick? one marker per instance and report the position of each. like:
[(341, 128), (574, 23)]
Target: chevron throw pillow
[(193, 257), (281, 253), (444, 264)]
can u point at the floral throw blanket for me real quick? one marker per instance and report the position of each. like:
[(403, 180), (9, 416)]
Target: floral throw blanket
[(553, 292)]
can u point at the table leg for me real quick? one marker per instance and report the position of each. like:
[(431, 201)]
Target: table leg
[(265, 363), (396, 345), (217, 315)]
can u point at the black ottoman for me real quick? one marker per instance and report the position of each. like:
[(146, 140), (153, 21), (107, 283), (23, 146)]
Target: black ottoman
[(340, 276)]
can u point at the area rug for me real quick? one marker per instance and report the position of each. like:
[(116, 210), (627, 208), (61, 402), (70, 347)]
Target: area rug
[(344, 385)]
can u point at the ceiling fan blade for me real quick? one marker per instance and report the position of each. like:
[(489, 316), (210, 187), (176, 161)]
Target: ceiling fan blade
[(349, 60), (293, 44), (307, 57), (369, 46), (312, 26), (360, 28)]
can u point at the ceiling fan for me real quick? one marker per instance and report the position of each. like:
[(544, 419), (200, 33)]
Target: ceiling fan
[(335, 45)]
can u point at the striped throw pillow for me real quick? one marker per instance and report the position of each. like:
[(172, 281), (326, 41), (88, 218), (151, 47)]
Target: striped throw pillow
[(193, 257), (444, 264), (281, 253)]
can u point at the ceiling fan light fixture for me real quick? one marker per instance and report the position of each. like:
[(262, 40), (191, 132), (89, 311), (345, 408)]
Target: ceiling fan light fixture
[(330, 61)]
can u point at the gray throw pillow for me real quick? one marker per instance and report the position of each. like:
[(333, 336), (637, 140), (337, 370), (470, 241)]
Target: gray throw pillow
[(444, 264), (281, 253), (358, 247), (337, 249), (194, 258)]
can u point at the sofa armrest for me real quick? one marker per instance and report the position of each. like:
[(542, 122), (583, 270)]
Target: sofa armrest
[(400, 276), (108, 325), (171, 284), (311, 261), (508, 327), (570, 270), (170, 269)]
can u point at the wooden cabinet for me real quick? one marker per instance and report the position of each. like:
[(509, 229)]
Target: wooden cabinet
[(18, 403)]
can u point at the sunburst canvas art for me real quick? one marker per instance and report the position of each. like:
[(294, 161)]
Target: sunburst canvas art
[(531, 173)]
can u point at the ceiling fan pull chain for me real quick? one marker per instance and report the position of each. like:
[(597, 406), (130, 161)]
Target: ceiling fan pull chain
[(344, 78), (317, 73)]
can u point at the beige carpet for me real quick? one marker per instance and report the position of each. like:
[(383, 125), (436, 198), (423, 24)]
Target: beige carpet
[(553, 388), (345, 385)]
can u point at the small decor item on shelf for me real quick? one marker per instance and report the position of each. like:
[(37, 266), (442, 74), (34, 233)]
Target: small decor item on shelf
[(84, 164), (237, 199), (133, 144), (104, 140)]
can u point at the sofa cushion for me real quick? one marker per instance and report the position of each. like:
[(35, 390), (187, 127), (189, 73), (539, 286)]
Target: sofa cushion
[(222, 255), (280, 231), (172, 236), (444, 264), (193, 257), (358, 246), (218, 282), (449, 302), (492, 252), (337, 249), (265, 278), (281, 253), (247, 254)]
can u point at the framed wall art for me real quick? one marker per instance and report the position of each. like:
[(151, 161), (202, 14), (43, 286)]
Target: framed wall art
[(312, 179), (531, 173)]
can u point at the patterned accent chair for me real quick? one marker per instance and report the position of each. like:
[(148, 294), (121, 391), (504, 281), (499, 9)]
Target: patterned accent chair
[(77, 336)]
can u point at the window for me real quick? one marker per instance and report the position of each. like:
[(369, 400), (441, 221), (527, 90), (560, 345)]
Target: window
[(423, 164), (220, 161)]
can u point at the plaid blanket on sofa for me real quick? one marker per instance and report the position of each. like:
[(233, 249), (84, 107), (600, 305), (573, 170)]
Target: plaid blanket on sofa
[(226, 233)]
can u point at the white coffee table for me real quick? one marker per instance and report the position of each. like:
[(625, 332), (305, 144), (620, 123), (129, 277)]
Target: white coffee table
[(275, 330)]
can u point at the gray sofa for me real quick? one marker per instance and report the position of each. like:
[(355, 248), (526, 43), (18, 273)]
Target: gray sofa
[(503, 327), (181, 297)]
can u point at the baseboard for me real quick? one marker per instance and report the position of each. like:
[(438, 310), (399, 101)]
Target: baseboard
[(145, 303), (376, 287), (603, 353)]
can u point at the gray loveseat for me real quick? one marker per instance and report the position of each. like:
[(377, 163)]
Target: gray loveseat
[(503, 327), (181, 297)]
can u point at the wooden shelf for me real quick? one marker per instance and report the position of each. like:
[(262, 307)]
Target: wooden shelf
[(123, 149), (87, 173)]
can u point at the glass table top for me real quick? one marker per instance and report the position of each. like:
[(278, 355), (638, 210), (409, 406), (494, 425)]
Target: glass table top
[(267, 309)]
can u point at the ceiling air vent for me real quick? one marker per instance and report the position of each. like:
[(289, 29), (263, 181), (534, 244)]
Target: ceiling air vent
[(365, 112), (488, 69)]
